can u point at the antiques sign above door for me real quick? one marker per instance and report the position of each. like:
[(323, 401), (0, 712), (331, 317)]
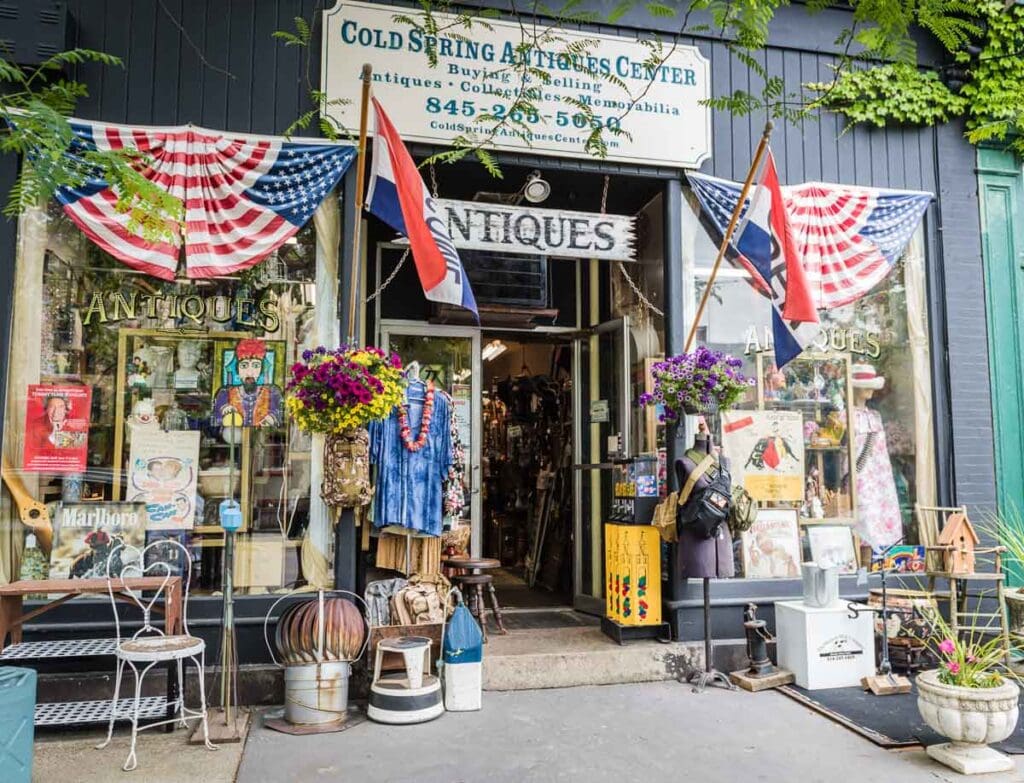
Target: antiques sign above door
[(477, 75), (556, 233)]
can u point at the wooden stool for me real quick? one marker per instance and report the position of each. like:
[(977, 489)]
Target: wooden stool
[(472, 586)]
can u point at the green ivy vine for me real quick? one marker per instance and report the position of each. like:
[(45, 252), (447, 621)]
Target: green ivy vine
[(991, 99)]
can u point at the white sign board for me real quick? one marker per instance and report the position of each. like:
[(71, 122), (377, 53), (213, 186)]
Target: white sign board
[(658, 108), (473, 225)]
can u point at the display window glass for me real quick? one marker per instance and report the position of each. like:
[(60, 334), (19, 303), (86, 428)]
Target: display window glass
[(135, 406), (837, 445)]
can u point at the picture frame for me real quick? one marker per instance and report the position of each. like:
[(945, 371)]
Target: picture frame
[(771, 547), (833, 544)]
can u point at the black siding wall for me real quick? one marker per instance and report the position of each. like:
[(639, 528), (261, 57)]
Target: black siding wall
[(175, 64)]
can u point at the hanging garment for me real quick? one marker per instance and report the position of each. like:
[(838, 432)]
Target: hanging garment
[(409, 483), (378, 600), (879, 522), (455, 481), (424, 553)]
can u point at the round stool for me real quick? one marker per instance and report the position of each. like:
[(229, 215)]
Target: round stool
[(412, 698), (472, 586)]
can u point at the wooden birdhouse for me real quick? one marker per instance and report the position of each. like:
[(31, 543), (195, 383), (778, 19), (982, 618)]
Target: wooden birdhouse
[(960, 539)]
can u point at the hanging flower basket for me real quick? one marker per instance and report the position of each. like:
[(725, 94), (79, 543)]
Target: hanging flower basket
[(699, 383), (337, 393)]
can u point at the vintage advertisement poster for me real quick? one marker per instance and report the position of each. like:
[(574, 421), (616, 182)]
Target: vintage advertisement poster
[(87, 534), (56, 428), (832, 545), (766, 453), (162, 473), (771, 547)]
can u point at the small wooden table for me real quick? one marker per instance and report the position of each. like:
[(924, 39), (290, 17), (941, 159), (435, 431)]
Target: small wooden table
[(13, 617), (475, 581)]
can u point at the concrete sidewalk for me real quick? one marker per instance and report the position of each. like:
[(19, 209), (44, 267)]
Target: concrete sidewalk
[(653, 731)]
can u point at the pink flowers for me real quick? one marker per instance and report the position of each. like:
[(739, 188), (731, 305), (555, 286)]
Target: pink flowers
[(953, 666), (947, 647)]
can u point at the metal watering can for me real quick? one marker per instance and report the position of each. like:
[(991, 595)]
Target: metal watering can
[(820, 584)]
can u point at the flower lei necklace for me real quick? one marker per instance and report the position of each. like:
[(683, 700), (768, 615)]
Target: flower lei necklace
[(403, 422)]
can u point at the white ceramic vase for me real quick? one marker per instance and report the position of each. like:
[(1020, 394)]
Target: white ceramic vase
[(971, 718)]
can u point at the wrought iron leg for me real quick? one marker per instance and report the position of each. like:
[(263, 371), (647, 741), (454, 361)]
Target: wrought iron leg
[(180, 694), (201, 663), (131, 762), (113, 705)]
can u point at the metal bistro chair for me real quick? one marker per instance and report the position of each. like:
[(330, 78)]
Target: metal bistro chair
[(149, 646)]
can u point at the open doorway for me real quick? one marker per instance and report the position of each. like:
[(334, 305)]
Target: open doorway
[(526, 463)]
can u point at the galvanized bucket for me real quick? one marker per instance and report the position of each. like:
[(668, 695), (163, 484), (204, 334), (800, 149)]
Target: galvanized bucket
[(316, 693), (820, 584)]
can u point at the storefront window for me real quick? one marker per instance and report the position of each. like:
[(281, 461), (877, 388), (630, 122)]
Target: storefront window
[(166, 397), (837, 446)]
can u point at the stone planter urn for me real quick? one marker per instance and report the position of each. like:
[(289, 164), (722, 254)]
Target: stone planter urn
[(1015, 609), (971, 718)]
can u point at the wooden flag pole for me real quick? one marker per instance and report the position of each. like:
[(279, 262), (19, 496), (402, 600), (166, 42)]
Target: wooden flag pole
[(754, 165), (364, 110)]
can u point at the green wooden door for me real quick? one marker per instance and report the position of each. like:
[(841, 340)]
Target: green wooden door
[(999, 181)]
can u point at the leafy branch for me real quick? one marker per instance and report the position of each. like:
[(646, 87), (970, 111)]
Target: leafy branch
[(34, 113)]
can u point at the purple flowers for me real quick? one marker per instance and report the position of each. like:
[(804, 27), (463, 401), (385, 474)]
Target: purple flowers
[(699, 380)]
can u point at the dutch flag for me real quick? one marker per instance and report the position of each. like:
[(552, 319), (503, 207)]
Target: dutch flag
[(399, 197), (765, 239)]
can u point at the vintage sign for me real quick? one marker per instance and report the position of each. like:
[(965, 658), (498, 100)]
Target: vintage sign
[(550, 232), (657, 106), (766, 452), (87, 535), (108, 307), (162, 474), (56, 428), (598, 411), (834, 339)]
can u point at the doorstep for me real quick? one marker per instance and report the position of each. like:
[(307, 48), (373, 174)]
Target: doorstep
[(568, 657)]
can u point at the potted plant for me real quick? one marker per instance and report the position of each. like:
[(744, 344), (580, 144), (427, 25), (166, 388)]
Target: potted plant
[(968, 700), (703, 381), (336, 393)]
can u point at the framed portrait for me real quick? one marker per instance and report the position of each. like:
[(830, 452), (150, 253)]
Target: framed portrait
[(249, 379)]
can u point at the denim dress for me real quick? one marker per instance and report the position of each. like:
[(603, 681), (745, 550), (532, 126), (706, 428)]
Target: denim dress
[(409, 489)]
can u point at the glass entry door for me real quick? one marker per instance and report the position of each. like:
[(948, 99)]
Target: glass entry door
[(601, 401), (450, 357)]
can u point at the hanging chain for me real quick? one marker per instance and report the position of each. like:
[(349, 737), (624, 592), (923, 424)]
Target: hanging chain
[(644, 301), (392, 276), (405, 255)]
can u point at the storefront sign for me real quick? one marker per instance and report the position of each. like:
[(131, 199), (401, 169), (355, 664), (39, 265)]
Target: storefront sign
[(549, 232), (837, 338), (107, 307), (657, 108), (56, 428)]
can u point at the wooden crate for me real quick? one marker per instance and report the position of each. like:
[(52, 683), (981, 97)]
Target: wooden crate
[(393, 661)]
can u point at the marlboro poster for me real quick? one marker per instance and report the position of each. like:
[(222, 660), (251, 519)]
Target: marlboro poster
[(766, 452), (162, 473), (87, 534), (57, 428)]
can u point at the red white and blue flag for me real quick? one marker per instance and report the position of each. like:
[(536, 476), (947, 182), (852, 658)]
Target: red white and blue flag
[(764, 238), (847, 238), (399, 197), (243, 196)]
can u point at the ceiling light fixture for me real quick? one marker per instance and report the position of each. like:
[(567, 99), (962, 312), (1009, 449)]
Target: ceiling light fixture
[(493, 350)]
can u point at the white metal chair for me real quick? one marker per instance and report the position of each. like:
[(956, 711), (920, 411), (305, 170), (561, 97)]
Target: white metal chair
[(149, 646)]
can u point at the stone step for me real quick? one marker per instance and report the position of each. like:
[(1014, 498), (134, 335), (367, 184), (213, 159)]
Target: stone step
[(567, 657)]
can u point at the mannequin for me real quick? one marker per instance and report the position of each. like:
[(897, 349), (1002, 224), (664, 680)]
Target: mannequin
[(879, 521), (705, 559)]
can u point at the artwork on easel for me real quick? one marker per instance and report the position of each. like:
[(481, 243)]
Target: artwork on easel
[(832, 545), (766, 453), (771, 547)]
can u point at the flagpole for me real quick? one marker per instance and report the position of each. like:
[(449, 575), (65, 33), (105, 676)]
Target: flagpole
[(754, 165), (364, 109)]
